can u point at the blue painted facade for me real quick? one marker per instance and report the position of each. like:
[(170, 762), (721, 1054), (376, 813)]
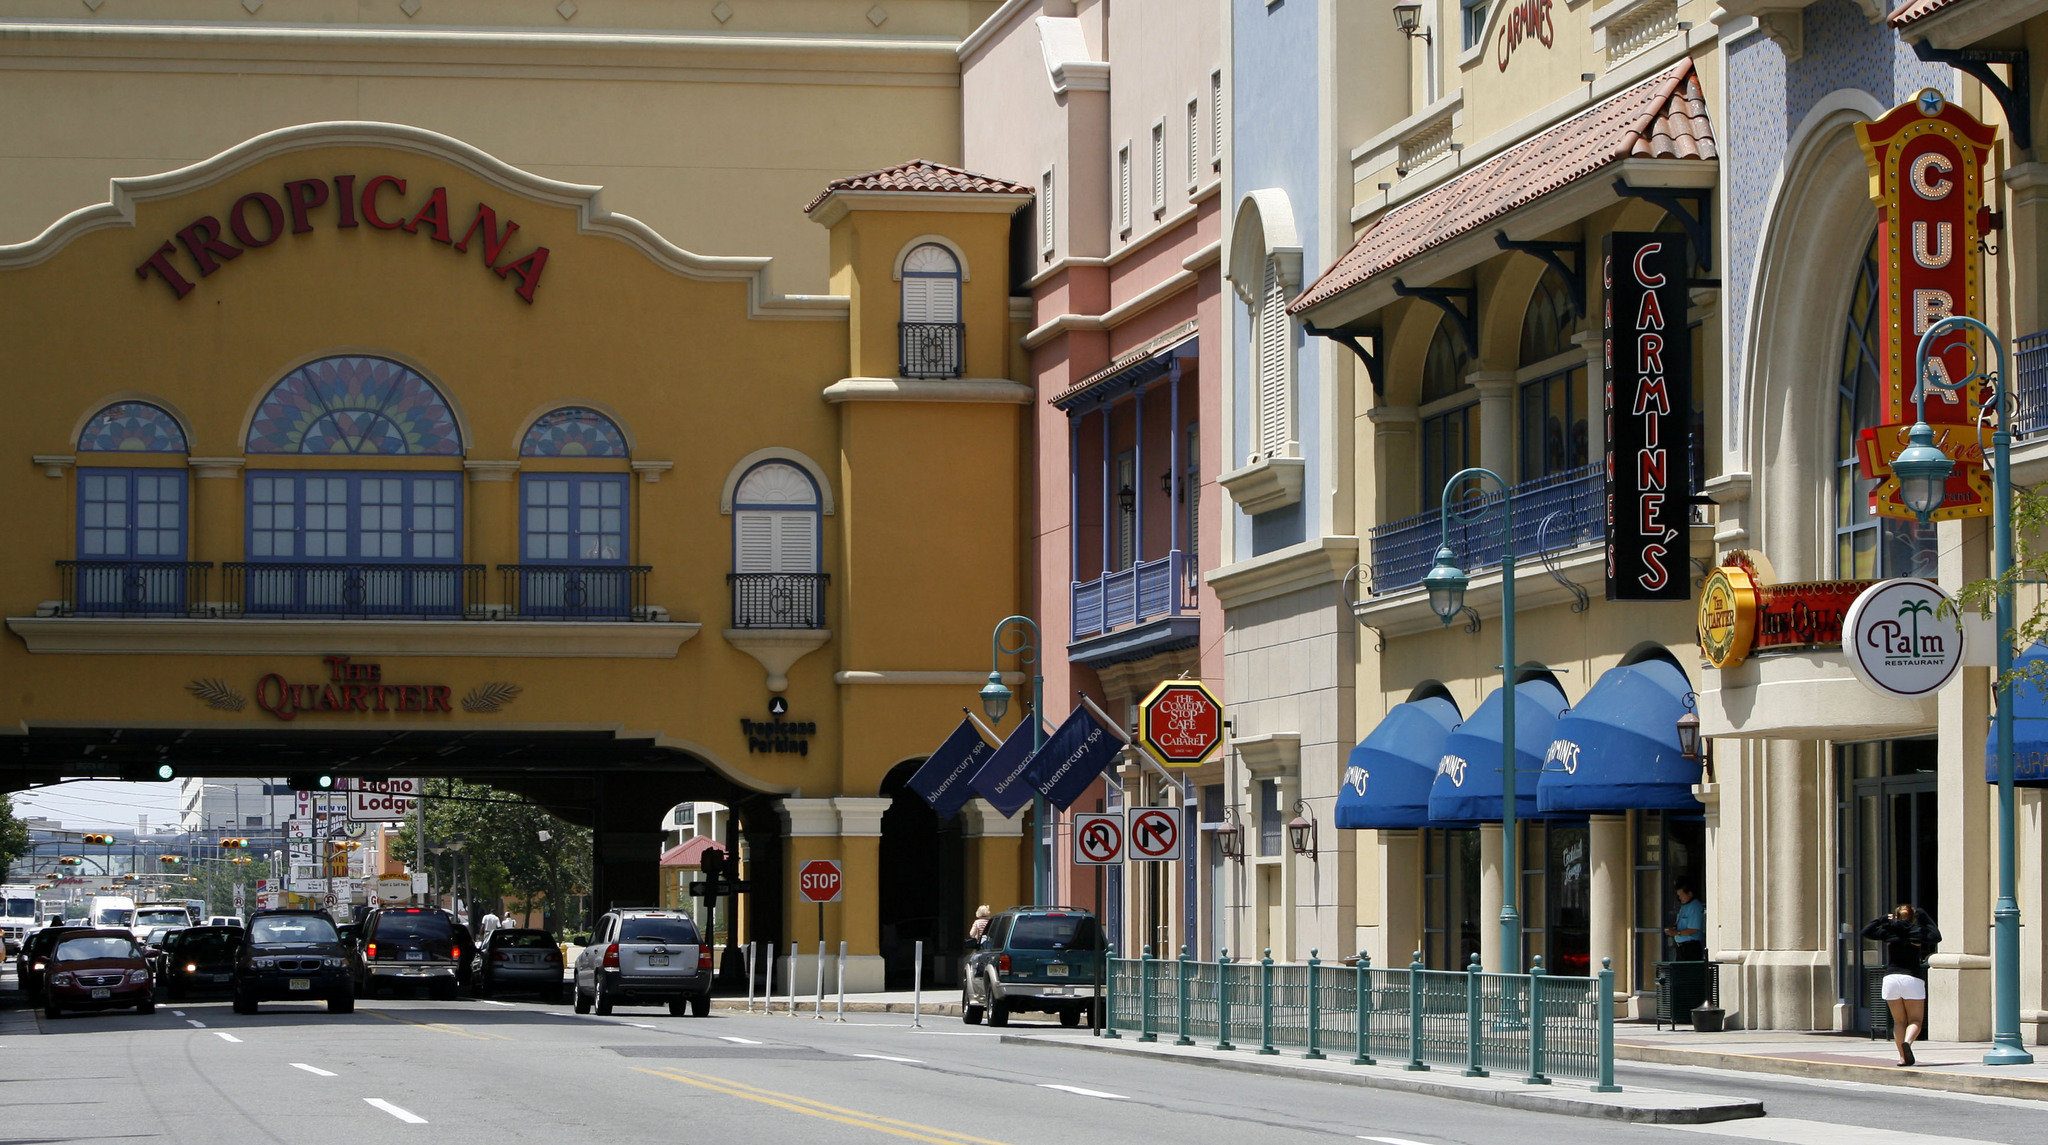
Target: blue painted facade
[(1273, 127), (1768, 98)]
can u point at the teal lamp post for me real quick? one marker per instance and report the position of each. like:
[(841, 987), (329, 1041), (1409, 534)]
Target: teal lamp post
[(995, 700), (1923, 471), (1446, 583)]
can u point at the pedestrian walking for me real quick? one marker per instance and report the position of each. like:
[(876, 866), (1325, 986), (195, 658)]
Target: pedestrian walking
[(978, 929), (1909, 936), (1688, 930)]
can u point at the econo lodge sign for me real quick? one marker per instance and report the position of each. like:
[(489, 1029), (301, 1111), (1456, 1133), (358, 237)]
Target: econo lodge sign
[(1181, 723)]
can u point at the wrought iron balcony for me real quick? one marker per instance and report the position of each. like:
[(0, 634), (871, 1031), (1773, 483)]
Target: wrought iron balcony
[(575, 592), (1403, 550), (2030, 390), (132, 588), (932, 349), (1146, 590), (778, 600), (397, 591)]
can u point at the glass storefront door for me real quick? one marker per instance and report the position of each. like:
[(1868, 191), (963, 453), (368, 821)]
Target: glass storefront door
[(1886, 808)]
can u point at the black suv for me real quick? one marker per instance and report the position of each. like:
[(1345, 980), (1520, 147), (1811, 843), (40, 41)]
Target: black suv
[(289, 955), (418, 946)]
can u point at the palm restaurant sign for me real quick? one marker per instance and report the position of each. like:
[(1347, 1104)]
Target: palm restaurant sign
[(1903, 637), (1927, 161)]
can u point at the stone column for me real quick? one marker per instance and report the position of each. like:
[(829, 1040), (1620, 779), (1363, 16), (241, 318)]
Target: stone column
[(1490, 953), (1610, 908), (860, 911), (1291, 876), (1595, 396), (1393, 447), (1966, 868), (493, 525), (996, 867), (1496, 420), (810, 830)]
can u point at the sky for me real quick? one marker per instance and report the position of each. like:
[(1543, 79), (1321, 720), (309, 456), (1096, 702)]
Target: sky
[(101, 803)]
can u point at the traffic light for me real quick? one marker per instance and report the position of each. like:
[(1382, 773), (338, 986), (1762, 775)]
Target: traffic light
[(69, 861), (714, 865), (159, 772), (233, 844), (321, 782), (170, 860), (98, 839)]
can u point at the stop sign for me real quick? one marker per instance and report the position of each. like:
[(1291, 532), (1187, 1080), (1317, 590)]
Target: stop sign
[(819, 880), (1181, 723)]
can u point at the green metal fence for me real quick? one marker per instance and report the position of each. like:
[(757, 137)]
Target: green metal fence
[(1534, 1026)]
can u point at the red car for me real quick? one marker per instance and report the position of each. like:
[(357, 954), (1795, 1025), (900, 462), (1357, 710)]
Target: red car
[(98, 970)]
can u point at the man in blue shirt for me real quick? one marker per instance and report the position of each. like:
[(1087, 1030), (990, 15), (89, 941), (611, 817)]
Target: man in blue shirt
[(1689, 929)]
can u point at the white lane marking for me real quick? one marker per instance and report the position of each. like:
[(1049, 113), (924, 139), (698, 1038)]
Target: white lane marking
[(1792, 1131), (495, 1002), (642, 1026), (223, 1035), (402, 1115), (887, 1058), (739, 1041), (195, 1023), (1391, 1140), (313, 1069), (177, 1013), (1086, 1092)]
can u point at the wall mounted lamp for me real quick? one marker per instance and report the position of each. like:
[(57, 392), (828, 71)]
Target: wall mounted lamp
[(1408, 18), (1301, 830), (1230, 838)]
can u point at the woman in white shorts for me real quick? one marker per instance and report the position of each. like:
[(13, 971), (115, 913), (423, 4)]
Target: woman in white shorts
[(1908, 937)]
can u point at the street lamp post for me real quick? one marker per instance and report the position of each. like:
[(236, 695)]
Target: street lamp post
[(1446, 583), (995, 700), (1923, 471)]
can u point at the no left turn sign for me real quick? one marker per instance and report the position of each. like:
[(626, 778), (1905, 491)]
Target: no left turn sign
[(1155, 835), (1098, 840)]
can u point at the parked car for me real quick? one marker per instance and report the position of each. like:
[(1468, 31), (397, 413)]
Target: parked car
[(224, 920), (1043, 959), (198, 959), (291, 955), (413, 946), (98, 970), (153, 939), (518, 959), (644, 957), (33, 958)]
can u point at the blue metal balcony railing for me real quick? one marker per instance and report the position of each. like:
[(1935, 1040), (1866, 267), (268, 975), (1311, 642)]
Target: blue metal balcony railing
[(1141, 592), (2030, 391), (932, 349), (778, 600), (132, 588), (398, 591), (575, 592), (1403, 550)]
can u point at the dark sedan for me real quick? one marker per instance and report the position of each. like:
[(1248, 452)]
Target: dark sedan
[(98, 970), (30, 963), (516, 959), (199, 959)]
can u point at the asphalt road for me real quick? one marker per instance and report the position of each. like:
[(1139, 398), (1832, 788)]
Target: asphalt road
[(401, 1070)]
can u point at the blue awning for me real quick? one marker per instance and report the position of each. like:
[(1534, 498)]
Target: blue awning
[(2029, 727), (1386, 781), (1467, 788), (1618, 749)]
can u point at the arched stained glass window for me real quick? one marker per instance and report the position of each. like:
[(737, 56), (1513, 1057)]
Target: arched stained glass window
[(573, 431), (1547, 324), (355, 405), (1448, 405), (132, 427), (1868, 546), (1553, 427)]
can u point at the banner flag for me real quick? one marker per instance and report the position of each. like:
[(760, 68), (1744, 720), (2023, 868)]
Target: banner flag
[(1078, 752), (1005, 779), (945, 779)]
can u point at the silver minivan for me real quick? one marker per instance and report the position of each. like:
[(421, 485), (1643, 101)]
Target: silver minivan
[(644, 957)]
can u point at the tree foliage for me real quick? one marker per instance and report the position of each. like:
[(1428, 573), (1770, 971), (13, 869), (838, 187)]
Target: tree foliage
[(2029, 566), (509, 861), (14, 840)]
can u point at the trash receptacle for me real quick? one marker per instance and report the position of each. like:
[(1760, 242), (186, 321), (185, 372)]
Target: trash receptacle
[(1707, 1018)]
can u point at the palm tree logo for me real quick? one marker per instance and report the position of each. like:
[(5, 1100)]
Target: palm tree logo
[(1912, 610)]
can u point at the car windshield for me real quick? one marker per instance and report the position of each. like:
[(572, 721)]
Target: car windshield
[(426, 927), (292, 928), (162, 918), (677, 930), (114, 917), (211, 945), (525, 939), (94, 946), (1052, 932)]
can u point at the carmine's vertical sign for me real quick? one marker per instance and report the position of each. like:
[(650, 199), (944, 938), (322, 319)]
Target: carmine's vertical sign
[(1926, 160), (1647, 349)]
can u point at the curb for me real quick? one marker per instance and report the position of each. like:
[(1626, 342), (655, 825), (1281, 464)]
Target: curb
[(1703, 1108), (803, 1006), (2031, 1089)]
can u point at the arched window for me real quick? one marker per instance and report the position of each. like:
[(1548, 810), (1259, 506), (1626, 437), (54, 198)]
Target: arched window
[(1273, 366), (358, 405), (775, 538), (573, 526), (132, 427), (1868, 546), (1447, 405), (573, 431), (1552, 397), (931, 329), (131, 520)]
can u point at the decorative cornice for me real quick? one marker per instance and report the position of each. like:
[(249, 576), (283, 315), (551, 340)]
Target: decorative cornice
[(491, 470), (1270, 755), (778, 648), (651, 471), (922, 679), (535, 639), (860, 816), (1266, 484), (1296, 568), (985, 391), (839, 204), (54, 464)]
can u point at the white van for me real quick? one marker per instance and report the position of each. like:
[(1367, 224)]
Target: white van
[(103, 912)]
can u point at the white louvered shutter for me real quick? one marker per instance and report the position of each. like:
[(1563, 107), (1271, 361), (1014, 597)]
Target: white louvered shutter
[(1046, 233), (754, 541), (1272, 357), (796, 542), (1123, 188), (1216, 115), (1158, 166)]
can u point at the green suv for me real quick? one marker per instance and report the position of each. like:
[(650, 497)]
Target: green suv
[(1046, 959)]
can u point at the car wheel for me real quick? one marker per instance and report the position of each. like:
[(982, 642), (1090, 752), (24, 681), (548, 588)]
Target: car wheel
[(582, 1003), (244, 1005), (678, 1007), (1070, 1018), (599, 1002), (174, 990), (557, 996), (50, 1010), (700, 1006), (447, 992), (342, 1004), (998, 1011), (147, 1006)]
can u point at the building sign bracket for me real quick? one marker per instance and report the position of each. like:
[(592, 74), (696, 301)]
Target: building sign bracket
[(1674, 201), (1446, 298), (2014, 97), (1349, 341), (1552, 254)]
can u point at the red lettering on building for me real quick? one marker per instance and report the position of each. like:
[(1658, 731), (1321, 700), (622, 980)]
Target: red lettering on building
[(1527, 19)]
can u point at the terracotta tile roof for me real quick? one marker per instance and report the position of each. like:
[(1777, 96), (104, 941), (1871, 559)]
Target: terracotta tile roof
[(1913, 10), (689, 852), (920, 175), (1664, 117)]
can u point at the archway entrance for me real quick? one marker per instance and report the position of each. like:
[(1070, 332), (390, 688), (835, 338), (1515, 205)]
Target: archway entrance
[(923, 863)]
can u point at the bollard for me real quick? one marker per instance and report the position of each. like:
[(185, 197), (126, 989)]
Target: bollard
[(1604, 1010), (1146, 985), (749, 956), (1315, 1007), (1362, 997), (917, 987), (792, 979), (1475, 1064), (1415, 1061), (818, 1005), (1536, 1023), (840, 970), (1223, 1000), (1181, 969), (1105, 1026), (1266, 1003)]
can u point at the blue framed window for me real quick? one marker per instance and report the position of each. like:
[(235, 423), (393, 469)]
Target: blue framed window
[(131, 540), (776, 532), (573, 545), (323, 543)]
